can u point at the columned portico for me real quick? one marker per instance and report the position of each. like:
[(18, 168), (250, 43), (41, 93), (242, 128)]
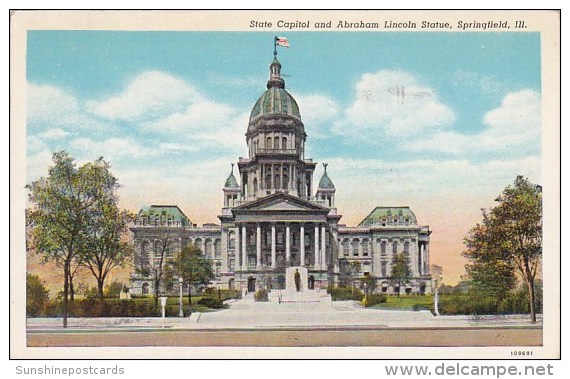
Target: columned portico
[(317, 255), (287, 244), (243, 248), (302, 244), (273, 250), (323, 248), (258, 247)]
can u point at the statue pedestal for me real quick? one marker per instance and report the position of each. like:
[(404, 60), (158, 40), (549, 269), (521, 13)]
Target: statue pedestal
[(290, 279)]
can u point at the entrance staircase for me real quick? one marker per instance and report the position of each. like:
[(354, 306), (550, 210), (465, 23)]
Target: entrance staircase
[(306, 296)]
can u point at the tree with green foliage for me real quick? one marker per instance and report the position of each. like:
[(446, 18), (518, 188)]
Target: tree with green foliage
[(509, 239), (354, 269), (105, 247), (61, 212), (191, 265), (401, 271), (369, 282), (113, 289), (37, 295)]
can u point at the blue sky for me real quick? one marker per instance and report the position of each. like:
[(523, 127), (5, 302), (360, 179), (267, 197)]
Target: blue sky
[(169, 111)]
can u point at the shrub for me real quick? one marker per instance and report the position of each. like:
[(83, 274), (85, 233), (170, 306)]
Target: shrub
[(345, 293), (375, 298), (224, 294), (211, 302), (261, 295), (113, 289), (37, 295)]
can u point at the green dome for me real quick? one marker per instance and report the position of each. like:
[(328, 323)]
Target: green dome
[(231, 181), (326, 182), (275, 101)]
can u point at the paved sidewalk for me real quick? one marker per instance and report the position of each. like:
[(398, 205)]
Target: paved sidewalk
[(246, 314)]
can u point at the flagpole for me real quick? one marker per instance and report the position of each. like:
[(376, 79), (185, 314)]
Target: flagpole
[(275, 47)]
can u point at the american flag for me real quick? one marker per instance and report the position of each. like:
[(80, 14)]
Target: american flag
[(282, 41)]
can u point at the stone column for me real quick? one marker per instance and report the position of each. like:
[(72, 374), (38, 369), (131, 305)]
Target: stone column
[(421, 260), (302, 243), (427, 257), (237, 248), (288, 244), (258, 246), (243, 248), (317, 253), (273, 254), (323, 248), (224, 249)]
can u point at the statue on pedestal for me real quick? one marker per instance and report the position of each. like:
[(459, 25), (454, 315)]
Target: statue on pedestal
[(297, 280)]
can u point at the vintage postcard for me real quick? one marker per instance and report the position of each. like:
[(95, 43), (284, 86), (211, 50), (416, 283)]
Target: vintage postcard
[(329, 184)]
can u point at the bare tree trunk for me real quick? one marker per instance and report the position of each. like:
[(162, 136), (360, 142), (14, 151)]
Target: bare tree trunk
[(65, 292), (100, 284), (189, 294), (530, 283), (71, 289)]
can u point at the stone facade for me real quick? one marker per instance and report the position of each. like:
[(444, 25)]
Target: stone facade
[(272, 220)]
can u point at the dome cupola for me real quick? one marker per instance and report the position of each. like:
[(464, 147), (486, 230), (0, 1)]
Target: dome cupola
[(326, 182), (275, 100), (231, 181)]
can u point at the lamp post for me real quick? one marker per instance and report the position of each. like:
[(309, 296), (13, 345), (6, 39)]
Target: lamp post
[(180, 283)]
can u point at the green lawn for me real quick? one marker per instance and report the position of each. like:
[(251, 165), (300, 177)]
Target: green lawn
[(173, 303), (407, 302)]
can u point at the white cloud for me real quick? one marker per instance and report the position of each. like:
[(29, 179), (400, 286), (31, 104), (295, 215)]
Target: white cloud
[(150, 94), (37, 164), (49, 103), (396, 102), (515, 122), (53, 134), (315, 110), (50, 107)]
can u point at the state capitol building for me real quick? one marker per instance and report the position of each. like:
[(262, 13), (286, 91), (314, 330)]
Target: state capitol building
[(271, 219)]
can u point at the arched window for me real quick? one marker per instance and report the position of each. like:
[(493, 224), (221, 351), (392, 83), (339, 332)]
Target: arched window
[(255, 185), (285, 181), (365, 247), (395, 247), (144, 261), (231, 240), (218, 248), (198, 244), (284, 143), (355, 243), (208, 248), (406, 247), (383, 247), (276, 182), (269, 144), (267, 181), (276, 143), (345, 247)]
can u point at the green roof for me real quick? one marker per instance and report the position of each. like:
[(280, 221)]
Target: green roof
[(326, 182), (275, 101), (390, 216), (231, 181), (166, 212)]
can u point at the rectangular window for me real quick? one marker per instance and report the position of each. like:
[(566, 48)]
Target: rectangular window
[(383, 269)]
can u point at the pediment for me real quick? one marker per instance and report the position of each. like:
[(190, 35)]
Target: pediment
[(281, 202)]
